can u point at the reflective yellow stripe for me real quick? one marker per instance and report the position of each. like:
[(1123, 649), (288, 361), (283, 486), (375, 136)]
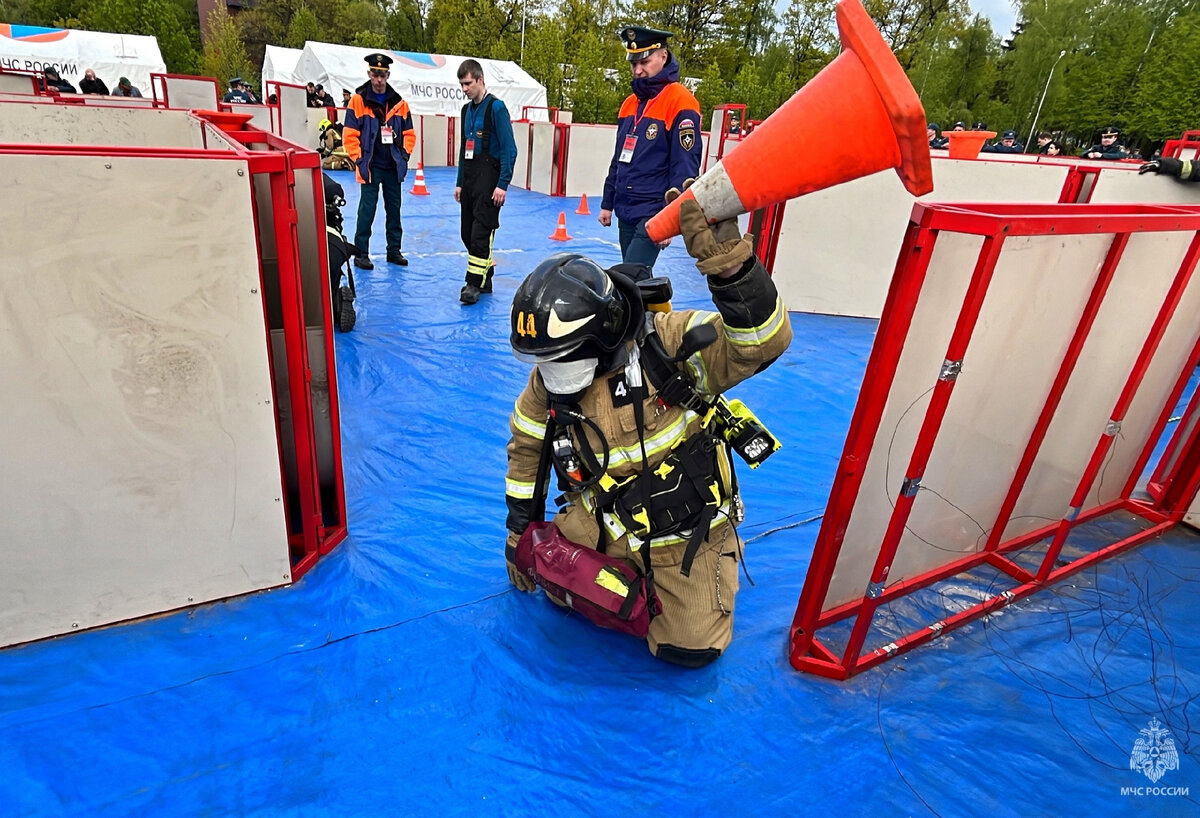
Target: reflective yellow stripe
[(529, 426), (760, 334), (695, 364), (664, 440), (518, 489), (611, 582)]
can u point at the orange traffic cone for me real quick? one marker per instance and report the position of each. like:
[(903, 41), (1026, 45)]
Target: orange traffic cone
[(862, 96), (561, 233), (583, 208), (419, 188)]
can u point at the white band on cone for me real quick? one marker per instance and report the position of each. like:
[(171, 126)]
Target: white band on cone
[(716, 195)]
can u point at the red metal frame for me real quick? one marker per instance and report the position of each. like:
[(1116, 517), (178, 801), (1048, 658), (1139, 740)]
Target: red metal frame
[(995, 223), (728, 108), (553, 112), (1190, 140)]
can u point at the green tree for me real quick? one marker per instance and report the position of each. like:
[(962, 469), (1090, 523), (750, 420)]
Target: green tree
[(406, 27), (225, 55), (156, 18), (546, 56), (303, 27), (1169, 82)]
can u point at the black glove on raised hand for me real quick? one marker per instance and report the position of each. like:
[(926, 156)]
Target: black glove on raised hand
[(1164, 164)]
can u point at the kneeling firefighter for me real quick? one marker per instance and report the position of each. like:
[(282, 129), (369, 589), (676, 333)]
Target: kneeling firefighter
[(625, 404)]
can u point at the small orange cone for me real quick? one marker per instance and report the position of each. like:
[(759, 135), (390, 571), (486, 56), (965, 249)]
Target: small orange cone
[(863, 96), (561, 233), (583, 208), (419, 188)]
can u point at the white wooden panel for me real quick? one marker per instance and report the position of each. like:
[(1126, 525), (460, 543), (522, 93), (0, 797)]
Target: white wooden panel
[(838, 246), (591, 151), (260, 116), (37, 123), (196, 93), (17, 84), (521, 168), (435, 133), (541, 166), (1122, 184), (293, 116), (140, 447), (118, 102)]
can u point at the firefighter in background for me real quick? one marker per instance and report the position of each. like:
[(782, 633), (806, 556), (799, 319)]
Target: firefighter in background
[(658, 143), (586, 331), (379, 138), (333, 152)]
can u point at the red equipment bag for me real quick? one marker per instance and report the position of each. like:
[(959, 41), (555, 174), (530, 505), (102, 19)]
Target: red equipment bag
[(608, 591)]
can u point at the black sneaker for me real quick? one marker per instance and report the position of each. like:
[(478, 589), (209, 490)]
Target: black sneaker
[(397, 258), (487, 282), (469, 294), (363, 263)]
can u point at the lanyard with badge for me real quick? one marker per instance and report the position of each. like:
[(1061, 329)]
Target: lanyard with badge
[(469, 148), (631, 140), (387, 135)]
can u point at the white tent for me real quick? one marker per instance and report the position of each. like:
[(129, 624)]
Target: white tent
[(428, 81), (279, 65), (111, 56)]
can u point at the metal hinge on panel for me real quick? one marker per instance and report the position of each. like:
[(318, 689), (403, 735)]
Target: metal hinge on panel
[(874, 590), (950, 370), (936, 627), (1072, 513), (910, 487), (1112, 427), (890, 648)]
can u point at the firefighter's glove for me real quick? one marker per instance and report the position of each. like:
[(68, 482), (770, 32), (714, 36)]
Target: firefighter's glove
[(717, 248), (1164, 164), (518, 579)]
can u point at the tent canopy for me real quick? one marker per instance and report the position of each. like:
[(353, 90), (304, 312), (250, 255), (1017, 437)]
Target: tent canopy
[(428, 81), (71, 52)]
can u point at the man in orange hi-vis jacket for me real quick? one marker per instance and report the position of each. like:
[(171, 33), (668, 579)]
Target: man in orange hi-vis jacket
[(379, 138), (658, 143)]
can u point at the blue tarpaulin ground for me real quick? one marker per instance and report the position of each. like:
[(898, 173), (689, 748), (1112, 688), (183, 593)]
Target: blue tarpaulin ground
[(403, 675)]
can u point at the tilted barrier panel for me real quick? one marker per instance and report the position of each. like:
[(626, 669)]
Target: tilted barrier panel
[(838, 246), (1036, 298), (139, 453), (589, 153), (43, 124)]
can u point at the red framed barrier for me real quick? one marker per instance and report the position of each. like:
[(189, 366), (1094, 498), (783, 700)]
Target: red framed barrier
[(288, 198), (1028, 560)]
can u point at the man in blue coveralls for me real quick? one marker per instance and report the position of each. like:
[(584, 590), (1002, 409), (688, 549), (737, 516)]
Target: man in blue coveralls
[(658, 143), (485, 168)]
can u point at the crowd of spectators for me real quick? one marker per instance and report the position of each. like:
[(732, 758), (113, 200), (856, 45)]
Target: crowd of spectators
[(1110, 147), (52, 81)]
